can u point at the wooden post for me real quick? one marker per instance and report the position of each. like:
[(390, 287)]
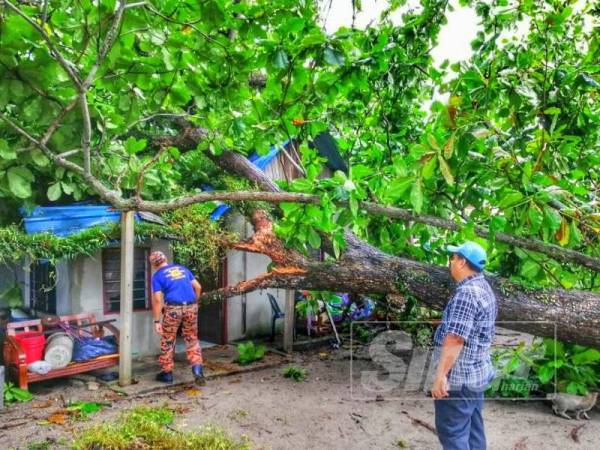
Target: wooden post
[(289, 322), (127, 240)]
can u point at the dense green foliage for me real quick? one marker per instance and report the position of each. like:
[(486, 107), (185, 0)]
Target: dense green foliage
[(16, 244), (514, 148), (197, 241)]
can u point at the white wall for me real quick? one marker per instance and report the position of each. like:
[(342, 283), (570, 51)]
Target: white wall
[(85, 281), (243, 266)]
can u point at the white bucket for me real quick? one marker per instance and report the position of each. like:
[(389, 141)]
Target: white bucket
[(59, 350)]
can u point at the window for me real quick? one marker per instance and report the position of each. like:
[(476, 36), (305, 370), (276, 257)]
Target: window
[(111, 278), (42, 285)]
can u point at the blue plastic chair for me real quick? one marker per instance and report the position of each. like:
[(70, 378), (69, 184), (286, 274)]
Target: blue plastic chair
[(276, 312)]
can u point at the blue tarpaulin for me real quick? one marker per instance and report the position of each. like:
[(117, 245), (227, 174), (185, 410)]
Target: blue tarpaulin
[(260, 161), (67, 220)]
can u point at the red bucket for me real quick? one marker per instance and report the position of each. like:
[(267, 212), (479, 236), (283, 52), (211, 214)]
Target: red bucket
[(33, 345)]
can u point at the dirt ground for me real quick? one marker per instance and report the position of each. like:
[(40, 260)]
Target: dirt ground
[(319, 413)]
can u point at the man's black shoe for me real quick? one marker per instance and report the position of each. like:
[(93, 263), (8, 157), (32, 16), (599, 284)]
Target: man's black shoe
[(198, 375), (165, 377)]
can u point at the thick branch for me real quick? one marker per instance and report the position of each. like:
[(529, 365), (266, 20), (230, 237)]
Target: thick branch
[(109, 40), (572, 315), (86, 136), (105, 194), (552, 250)]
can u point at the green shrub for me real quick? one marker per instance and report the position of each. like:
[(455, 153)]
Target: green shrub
[(545, 366), (146, 427), (248, 352), (295, 373), (14, 394)]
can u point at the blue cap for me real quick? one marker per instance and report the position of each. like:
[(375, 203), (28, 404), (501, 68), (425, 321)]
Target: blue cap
[(471, 251)]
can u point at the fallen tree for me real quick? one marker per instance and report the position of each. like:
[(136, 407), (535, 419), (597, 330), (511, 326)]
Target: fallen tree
[(81, 127), (569, 315)]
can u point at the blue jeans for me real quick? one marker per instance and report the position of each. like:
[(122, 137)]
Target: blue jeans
[(459, 422)]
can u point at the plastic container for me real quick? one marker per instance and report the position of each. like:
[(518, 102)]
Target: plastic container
[(59, 350), (33, 344)]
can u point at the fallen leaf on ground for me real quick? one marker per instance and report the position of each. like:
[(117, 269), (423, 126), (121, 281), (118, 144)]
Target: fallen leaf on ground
[(193, 392), (57, 418), (181, 409), (44, 404)]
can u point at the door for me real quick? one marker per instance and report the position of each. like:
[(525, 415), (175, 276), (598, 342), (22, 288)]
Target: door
[(212, 317)]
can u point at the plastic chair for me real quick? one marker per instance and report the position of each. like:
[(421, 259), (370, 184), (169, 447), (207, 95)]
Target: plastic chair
[(276, 312)]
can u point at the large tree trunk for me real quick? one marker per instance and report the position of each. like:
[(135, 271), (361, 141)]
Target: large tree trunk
[(572, 316)]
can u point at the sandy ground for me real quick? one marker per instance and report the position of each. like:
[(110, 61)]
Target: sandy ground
[(319, 413)]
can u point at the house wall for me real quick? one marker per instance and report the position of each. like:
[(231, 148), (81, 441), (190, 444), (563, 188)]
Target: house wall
[(86, 295), (254, 319)]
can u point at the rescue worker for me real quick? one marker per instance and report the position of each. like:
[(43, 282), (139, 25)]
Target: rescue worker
[(175, 294)]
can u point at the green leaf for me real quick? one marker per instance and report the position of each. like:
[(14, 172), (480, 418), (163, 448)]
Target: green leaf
[(281, 59), (180, 92), (133, 146), (530, 269), (314, 239), (39, 158), (429, 167), (67, 188), (546, 373), (449, 147), (416, 196), (19, 181), (397, 189), (588, 356), (6, 152), (510, 198), (333, 57), (552, 111), (552, 219), (54, 192), (433, 143), (535, 219), (445, 169), (294, 25)]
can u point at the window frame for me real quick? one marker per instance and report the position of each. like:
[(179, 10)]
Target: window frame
[(148, 276), (33, 292)]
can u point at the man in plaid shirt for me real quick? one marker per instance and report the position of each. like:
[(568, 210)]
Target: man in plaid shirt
[(461, 351)]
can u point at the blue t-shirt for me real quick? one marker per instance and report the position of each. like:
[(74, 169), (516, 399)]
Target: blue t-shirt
[(175, 282)]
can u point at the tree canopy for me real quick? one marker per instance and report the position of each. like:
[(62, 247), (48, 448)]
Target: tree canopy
[(134, 102)]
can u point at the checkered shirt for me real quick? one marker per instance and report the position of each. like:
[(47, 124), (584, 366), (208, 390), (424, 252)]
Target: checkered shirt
[(470, 314)]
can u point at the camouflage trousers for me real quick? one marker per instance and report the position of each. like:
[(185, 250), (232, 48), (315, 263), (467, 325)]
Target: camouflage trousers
[(173, 317)]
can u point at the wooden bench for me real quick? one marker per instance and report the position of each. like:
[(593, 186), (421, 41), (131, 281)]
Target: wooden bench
[(14, 356)]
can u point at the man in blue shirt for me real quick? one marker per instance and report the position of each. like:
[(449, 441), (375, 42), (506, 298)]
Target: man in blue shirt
[(462, 352), (175, 294)]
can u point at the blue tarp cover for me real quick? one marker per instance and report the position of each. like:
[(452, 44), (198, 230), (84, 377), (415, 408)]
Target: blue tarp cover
[(262, 162), (67, 220)]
